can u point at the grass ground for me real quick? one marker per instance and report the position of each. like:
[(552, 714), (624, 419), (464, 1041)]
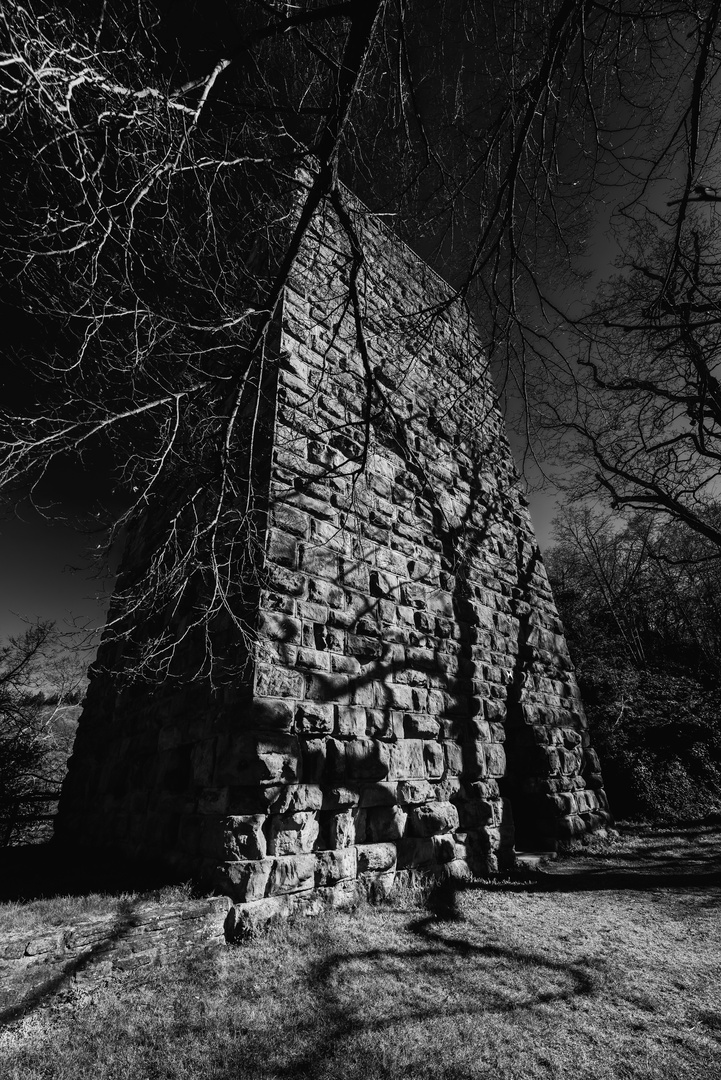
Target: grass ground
[(566, 978)]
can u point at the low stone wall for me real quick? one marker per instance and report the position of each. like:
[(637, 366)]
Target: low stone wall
[(37, 963)]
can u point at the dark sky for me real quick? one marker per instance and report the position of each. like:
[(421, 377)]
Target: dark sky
[(44, 572)]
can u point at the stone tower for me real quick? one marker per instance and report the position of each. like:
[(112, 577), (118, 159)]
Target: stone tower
[(410, 703)]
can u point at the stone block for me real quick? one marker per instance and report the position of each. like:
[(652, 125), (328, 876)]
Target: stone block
[(325, 592), (315, 718), (279, 627), (414, 595), (495, 759), (385, 823), (381, 793), (591, 762), (313, 659), (282, 549), (435, 703), (311, 611), (406, 760), (267, 759), (278, 682), (315, 757), (297, 797), (271, 601), (292, 834), (474, 759), (334, 866), (344, 665), (414, 792), (365, 648), (433, 759), (391, 561), (367, 759), (289, 519), (453, 754), (376, 857), (327, 687), (384, 724), (319, 562), (355, 574), (244, 881), (316, 508), (243, 837), (480, 728), (441, 604), (448, 789), (432, 818), (569, 826), (571, 738), (291, 874), (337, 797), (342, 829), (272, 714), (420, 726), (494, 710), (475, 813), (425, 852), (350, 721), (550, 761)]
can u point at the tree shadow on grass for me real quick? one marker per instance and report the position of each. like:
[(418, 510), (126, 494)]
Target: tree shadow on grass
[(681, 858), (440, 977), (636, 880)]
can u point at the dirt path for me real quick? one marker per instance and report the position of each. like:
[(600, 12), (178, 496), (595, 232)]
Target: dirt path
[(642, 857)]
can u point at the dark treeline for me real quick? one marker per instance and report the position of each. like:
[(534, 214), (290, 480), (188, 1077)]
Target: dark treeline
[(641, 604)]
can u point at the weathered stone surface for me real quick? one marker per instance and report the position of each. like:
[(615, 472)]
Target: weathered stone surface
[(297, 797), (315, 718), (386, 823), (290, 874), (432, 818), (367, 759), (244, 881), (426, 852), (411, 792), (293, 834), (334, 866), (382, 793), (244, 838), (376, 857), (342, 829)]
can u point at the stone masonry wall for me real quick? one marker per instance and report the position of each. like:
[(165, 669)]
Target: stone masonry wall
[(411, 704)]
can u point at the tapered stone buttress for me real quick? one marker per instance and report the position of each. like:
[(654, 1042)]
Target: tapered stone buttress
[(409, 703)]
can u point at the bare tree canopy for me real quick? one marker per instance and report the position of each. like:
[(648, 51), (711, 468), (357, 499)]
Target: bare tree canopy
[(40, 687), (641, 419), (162, 163)]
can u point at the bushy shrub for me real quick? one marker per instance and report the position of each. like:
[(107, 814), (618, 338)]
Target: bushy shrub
[(659, 739)]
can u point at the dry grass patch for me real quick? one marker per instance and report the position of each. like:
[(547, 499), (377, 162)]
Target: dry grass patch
[(521, 984)]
